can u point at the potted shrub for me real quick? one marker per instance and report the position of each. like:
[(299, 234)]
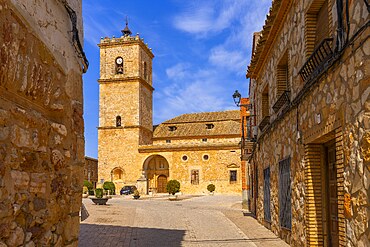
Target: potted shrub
[(85, 192), (90, 187), (211, 188), (99, 198), (109, 186), (136, 194), (173, 186)]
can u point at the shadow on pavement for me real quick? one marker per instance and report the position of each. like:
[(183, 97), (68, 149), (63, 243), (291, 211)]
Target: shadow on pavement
[(109, 235)]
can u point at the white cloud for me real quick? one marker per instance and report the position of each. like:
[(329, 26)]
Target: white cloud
[(233, 60), (177, 71), (207, 16)]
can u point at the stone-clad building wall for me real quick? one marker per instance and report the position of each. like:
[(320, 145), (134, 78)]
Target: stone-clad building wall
[(41, 124), (91, 170), (335, 108), (215, 169)]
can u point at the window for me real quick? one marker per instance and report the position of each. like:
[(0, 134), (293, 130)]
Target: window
[(265, 109), (210, 126), (204, 140), (316, 22), (168, 141), (195, 177), (184, 158), (233, 176), (285, 207), (145, 71), (205, 157), (118, 121), (266, 194), (172, 128), (282, 75), (265, 102), (282, 83)]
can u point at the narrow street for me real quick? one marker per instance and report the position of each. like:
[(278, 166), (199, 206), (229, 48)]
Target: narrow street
[(195, 221)]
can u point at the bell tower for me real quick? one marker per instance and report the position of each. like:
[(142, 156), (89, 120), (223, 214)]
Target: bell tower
[(125, 101)]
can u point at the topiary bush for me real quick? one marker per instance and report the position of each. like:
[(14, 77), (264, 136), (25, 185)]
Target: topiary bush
[(211, 187), (173, 186), (110, 186), (85, 190), (89, 185), (99, 193)]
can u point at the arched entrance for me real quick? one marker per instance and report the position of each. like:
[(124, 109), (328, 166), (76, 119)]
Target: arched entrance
[(118, 177), (156, 172)]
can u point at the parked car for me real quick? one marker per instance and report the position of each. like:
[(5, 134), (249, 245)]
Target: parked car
[(127, 190)]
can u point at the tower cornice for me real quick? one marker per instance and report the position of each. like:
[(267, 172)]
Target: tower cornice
[(127, 80), (113, 42)]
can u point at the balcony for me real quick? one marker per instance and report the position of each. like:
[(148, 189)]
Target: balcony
[(265, 121), (318, 60), (282, 100)]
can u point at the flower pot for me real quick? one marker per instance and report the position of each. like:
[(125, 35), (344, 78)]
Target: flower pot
[(136, 197), (99, 201)]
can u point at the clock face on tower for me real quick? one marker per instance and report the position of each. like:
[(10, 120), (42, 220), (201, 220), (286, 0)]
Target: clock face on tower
[(119, 60)]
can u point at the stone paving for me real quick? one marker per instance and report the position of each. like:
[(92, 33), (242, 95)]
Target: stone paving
[(193, 221)]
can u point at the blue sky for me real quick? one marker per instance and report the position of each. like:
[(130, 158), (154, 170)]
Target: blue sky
[(201, 47)]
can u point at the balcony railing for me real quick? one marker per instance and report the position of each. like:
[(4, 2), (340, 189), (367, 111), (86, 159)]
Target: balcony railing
[(265, 121), (282, 100), (318, 60)]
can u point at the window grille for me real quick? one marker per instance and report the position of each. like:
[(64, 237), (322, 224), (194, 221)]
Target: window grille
[(195, 177), (285, 191), (266, 194)]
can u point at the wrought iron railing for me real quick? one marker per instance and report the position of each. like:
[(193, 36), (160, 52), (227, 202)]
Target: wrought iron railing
[(282, 100), (265, 121), (318, 60)]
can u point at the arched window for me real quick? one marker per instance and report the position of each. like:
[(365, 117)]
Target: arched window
[(145, 71), (118, 121)]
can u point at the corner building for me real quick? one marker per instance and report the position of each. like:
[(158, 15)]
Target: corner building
[(195, 149), (311, 95)]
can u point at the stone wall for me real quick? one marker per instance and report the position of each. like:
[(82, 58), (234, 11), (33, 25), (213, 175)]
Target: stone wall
[(335, 108), (41, 124), (91, 170)]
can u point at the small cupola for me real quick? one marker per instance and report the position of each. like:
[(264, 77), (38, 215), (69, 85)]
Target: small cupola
[(126, 31)]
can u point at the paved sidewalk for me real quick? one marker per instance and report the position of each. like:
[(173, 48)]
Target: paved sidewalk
[(194, 221)]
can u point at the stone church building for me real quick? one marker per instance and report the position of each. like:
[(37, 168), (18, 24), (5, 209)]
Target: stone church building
[(195, 149)]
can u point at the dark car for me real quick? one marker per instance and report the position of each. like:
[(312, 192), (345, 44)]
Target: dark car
[(127, 190)]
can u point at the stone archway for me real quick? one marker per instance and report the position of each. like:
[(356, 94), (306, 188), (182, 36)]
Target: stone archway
[(156, 171), (118, 177)]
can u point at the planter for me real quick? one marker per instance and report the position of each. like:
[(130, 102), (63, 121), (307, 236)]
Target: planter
[(136, 197), (85, 195), (172, 197), (211, 193), (99, 201)]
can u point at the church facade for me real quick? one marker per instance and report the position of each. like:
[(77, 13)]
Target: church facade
[(195, 149)]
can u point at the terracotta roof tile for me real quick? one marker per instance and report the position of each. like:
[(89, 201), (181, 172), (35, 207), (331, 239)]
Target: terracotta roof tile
[(195, 124)]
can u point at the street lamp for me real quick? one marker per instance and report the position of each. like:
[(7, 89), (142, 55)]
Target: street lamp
[(237, 96), (245, 173)]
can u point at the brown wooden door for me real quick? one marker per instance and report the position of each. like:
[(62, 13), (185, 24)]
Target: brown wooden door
[(332, 198), (161, 184)]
